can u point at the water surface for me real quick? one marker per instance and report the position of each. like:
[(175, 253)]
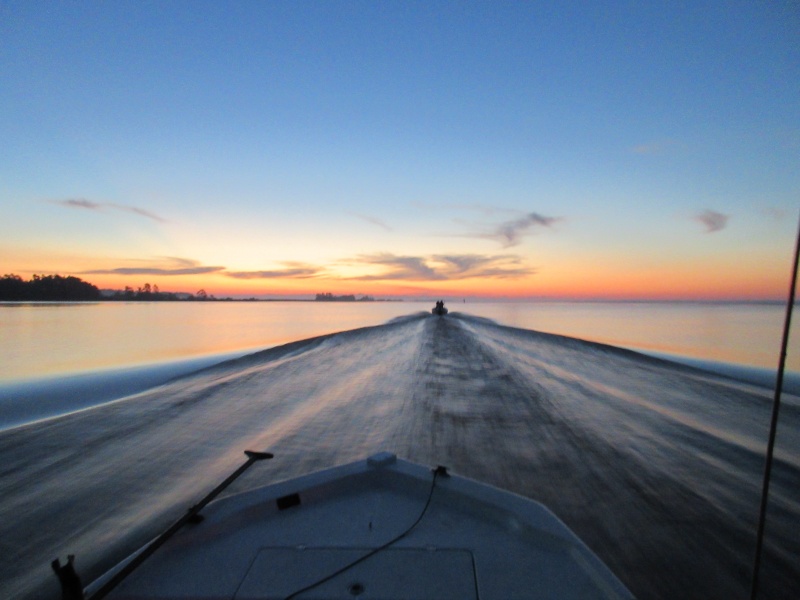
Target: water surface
[(655, 465), (47, 339)]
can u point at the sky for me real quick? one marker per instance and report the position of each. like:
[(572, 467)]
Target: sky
[(553, 150)]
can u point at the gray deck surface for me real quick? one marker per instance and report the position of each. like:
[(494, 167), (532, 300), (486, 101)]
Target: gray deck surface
[(473, 541)]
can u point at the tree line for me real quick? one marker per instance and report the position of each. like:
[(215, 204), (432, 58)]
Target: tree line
[(151, 293), (328, 297), (47, 287), (59, 288)]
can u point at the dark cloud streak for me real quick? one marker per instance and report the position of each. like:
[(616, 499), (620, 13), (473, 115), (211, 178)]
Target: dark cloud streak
[(291, 270), (154, 271), (712, 220), (510, 233), (166, 266), (398, 267), (372, 220), (306, 273), (79, 203), (83, 203), (384, 266), (442, 267)]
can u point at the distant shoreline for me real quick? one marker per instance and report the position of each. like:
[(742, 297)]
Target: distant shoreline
[(193, 300), (17, 301), (58, 288)]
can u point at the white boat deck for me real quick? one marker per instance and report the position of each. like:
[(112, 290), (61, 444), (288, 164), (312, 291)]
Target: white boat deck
[(473, 542)]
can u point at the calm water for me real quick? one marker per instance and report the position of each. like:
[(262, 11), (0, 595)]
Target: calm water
[(41, 340)]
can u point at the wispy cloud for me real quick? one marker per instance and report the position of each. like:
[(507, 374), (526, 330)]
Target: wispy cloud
[(139, 211), (382, 266), (372, 220), (441, 267), (167, 266), (510, 233), (712, 220), (292, 271), (83, 203), (473, 265), (398, 267), (78, 203), (153, 271)]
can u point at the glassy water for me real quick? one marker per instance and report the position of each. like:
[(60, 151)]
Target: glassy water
[(41, 340), (746, 334), (46, 339)]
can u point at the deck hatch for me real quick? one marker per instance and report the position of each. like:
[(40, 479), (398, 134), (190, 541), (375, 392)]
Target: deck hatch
[(409, 573)]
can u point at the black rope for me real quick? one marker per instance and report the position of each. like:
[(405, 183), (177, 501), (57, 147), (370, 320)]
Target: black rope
[(776, 405), (438, 471)]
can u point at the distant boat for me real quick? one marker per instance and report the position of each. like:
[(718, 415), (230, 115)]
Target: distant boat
[(439, 309), (381, 527)]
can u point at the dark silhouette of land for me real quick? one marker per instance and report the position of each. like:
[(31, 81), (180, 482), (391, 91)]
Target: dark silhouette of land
[(328, 297), (57, 288), (148, 293), (47, 287)]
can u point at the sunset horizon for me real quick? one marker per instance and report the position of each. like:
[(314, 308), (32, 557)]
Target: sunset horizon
[(486, 152), (474, 293)]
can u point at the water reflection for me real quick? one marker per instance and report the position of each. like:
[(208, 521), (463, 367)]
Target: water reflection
[(49, 339)]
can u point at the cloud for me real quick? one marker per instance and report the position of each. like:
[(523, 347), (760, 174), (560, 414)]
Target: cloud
[(293, 271), (177, 261), (79, 203), (83, 203), (372, 220), (473, 265), (712, 220), (174, 266), (398, 267), (153, 271), (510, 233), (382, 266), (441, 267), (139, 211), (166, 266)]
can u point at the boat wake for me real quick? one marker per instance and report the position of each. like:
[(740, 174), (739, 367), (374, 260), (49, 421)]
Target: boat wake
[(656, 466)]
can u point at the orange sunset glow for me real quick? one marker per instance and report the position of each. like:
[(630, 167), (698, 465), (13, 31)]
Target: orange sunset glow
[(497, 169)]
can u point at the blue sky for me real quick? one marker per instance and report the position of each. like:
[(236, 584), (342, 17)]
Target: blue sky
[(351, 146)]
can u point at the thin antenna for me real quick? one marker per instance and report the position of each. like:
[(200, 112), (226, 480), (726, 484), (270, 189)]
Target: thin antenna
[(776, 405), (193, 512)]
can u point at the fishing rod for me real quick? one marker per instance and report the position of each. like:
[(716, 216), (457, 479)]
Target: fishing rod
[(773, 427), (71, 587)]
